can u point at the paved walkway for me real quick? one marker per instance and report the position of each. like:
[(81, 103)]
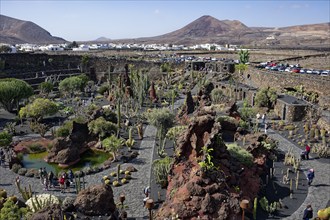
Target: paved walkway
[(133, 190), (319, 192)]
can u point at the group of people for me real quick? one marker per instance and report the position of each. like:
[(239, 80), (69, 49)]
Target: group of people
[(64, 180)]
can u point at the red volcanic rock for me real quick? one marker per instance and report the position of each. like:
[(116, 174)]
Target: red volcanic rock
[(194, 192), (96, 200)]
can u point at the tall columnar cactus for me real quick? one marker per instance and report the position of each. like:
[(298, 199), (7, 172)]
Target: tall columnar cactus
[(77, 184), (118, 172), (291, 190), (26, 194), (255, 206), (312, 133), (297, 180), (118, 116), (317, 134)]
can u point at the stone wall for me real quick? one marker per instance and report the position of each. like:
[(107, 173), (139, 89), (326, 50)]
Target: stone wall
[(261, 79), (290, 112)]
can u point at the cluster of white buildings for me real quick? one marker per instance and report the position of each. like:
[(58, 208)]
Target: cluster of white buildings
[(119, 46)]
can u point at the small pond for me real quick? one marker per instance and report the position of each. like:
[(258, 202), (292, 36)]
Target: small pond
[(88, 158)]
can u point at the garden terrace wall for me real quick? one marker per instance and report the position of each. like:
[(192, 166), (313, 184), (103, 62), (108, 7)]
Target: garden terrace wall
[(262, 79), (31, 62)]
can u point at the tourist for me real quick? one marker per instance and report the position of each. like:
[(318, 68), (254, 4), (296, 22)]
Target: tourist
[(308, 213), (266, 127), (263, 117), (41, 174), (310, 176), (61, 181), (147, 191), (2, 158), (307, 151), (51, 179), (258, 116), (70, 176), (46, 183)]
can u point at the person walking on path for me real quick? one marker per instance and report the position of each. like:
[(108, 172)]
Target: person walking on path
[(61, 181), (146, 192), (307, 151), (266, 127), (308, 213), (41, 174), (310, 176), (263, 117), (51, 179)]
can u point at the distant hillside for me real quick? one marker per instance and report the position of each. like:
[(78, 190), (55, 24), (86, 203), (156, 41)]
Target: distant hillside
[(14, 31), (208, 29)]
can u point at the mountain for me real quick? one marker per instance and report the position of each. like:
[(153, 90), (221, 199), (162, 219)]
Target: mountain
[(13, 31), (202, 30), (208, 29)]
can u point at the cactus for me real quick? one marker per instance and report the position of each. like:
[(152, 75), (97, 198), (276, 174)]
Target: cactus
[(297, 180), (118, 116), (291, 190), (139, 128), (323, 131), (312, 133), (317, 134), (77, 184), (26, 194), (130, 141), (118, 172)]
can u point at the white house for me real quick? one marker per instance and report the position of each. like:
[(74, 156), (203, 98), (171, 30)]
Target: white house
[(81, 47)]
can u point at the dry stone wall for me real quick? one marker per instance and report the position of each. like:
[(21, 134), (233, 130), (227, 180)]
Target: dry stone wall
[(261, 79)]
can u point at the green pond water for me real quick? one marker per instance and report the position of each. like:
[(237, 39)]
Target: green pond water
[(88, 158)]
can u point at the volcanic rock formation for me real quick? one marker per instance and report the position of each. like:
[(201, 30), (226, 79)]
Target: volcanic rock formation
[(208, 192)]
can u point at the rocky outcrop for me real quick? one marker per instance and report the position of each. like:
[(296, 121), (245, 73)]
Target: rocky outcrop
[(51, 212), (66, 151), (206, 192), (152, 93), (96, 200)]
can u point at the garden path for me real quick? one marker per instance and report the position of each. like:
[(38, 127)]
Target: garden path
[(319, 192), (133, 190)]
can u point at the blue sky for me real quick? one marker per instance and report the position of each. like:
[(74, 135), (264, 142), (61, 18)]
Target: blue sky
[(88, 20)]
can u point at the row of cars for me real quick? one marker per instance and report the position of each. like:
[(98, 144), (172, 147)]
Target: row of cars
[(291, 68)]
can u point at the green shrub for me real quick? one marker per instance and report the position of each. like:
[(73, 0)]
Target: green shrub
[(161, 169), (36, 148), (216, 96), (20, 156), (174, 132), (109, 115), (240, 154), (101, 127), (16, 167), (104, 88), (161, 118), (64, 130), (5, 138), (289, 127), (243, 124)]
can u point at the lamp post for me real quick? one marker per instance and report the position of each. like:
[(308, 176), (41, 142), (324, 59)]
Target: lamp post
[(149, 206), (122, 199), (244, 204)]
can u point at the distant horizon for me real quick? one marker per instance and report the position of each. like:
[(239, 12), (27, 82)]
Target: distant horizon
[(89, 20)]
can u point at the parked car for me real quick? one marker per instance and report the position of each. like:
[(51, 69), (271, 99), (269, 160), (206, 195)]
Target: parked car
[(295, 70), (302, 70), (317, 72), (325, 73), (309, 71)]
